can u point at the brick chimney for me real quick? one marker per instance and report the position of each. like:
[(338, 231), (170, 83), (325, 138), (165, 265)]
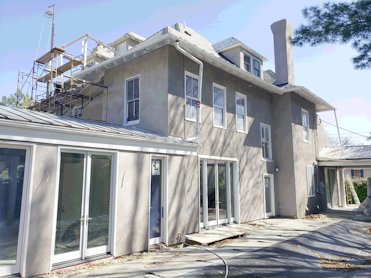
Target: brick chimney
[(284, 65)]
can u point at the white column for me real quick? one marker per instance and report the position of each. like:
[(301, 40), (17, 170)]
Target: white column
[(228, 187)]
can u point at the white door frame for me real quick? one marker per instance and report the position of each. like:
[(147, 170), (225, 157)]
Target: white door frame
[(204, 223), (164, 201), (24, 219), (272, 199), (84, 251)]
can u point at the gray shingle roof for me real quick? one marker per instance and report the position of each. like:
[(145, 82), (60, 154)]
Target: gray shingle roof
[(29, 117), (361, 152)]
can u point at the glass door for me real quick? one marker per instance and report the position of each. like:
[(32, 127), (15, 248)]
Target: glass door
[(83, 206), (12, 168), (269, 195), (156, 206)]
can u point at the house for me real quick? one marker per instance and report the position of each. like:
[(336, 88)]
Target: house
[(336, 165), (171, 134)]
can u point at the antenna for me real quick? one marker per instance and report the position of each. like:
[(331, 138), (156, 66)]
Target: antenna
[(50, 14)]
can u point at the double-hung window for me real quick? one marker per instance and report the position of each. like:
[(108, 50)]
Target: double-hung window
[(191, 96), (256, 67), (310, 181), (247, 62), (132, 100), (241, 105), (219, 106), (265, 132), (305, 124)]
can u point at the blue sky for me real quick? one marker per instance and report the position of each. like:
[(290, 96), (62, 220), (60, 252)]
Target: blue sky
[(326, 70)]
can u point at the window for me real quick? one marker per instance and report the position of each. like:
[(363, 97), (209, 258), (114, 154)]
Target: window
[(247, 62), (266, 141), (219, 106), (310, 181), (132, 100), (357, 173), (256, 67), (191, 96), (241, 112), (305, 124)]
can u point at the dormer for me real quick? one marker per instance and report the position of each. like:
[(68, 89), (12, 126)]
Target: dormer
[(241, 55), (126, 42)]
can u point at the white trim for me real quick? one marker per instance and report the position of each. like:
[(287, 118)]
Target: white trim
[(268, 127), (305, 132), (114, 197), (126, 108), (215, 85), (365, 163), (164, 201), (192, 75), (272, 200), (245, 112), (24, 217), (221, 158), (79, 139)]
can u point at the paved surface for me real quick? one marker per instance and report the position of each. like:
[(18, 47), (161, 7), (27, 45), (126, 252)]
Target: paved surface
[(336, 245)]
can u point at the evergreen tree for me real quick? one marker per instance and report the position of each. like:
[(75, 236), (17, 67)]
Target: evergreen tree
[(339, 23)]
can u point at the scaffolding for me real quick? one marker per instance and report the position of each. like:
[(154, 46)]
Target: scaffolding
[(55, 87)]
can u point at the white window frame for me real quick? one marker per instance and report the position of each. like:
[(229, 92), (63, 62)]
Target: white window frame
[(224, 107), (244, 130), (126, 121), (187, 73), (263, 140), (311, 185), (253, 68), (306, 133), (244, 64)]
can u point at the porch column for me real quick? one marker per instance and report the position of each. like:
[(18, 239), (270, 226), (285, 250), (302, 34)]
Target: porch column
[(342, 197)]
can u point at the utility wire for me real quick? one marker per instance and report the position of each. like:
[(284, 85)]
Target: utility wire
[(359, 134)]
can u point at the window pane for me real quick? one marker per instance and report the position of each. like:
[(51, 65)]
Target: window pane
[(12, 163), (256, 65), (195, 88), (136, 114), (218, 97), (240, 105), (130, 89), (191, 109), (191, 87), (268, 195), (247, 62), (131, 111), (136, 88), (218, 116), (188, 85), (240, 122)]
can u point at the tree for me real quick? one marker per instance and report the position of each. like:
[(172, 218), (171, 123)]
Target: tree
[(339, 23), (19, 100)]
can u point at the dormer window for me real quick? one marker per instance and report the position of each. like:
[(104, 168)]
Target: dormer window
[(252, 65), (247, 62), (256, 67)]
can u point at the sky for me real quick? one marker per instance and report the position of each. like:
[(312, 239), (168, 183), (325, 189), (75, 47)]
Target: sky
[(326, 70)]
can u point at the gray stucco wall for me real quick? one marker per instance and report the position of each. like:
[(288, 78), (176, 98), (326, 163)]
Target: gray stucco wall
[(153, 71), (132, 219), (225, 142), (41, 228), (284, 154), (304, 153)]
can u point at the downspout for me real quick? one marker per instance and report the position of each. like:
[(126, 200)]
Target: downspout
[(337, 127), (200, 76)]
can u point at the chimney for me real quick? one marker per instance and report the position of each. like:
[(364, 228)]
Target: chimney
[(282, 52)]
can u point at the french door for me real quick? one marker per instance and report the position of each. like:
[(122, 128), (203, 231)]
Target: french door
[(13, 175), (83, 216), (217, 192)]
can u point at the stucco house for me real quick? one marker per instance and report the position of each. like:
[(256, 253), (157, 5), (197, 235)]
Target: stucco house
[(169, 135)]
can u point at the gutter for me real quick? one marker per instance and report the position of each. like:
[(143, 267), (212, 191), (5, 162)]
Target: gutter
[(200, 76)]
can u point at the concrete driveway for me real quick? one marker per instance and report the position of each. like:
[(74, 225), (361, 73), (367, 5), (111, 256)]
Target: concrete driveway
[(337, 244)]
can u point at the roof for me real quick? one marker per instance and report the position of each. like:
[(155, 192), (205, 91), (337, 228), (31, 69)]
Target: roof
[(201, 48), (232, 42), (345, 156), (29, 119)]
